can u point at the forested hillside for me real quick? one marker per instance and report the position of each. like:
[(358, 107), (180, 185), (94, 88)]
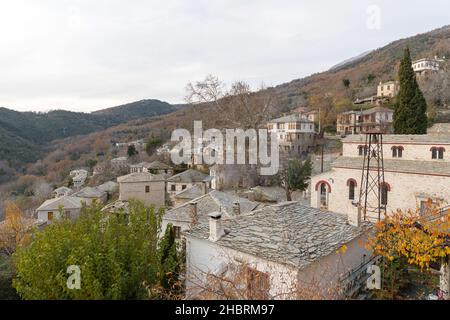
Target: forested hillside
[(366, 72), (24, 135)]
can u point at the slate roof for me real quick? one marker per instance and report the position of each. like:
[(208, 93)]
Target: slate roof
[(109, 186), (190, 175), (157, 165), (68, 202), (117, 206), (213, 201), (141, 177), (288, 233), (406, 138), (62, 189), (89, 192), (439, 128), (192, 192), (406, 166), (290, 118), (140, 165)]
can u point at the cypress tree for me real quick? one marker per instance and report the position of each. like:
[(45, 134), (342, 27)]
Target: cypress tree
[(410, 110), (168, 259)]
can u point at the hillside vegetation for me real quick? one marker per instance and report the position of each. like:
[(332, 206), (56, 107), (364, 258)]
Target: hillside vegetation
[(366, 72), (24, 135)]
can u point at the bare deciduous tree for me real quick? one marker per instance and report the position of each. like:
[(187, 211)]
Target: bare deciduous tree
[(237, 106)]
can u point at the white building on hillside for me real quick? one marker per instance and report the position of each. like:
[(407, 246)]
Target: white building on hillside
[(296, 135), (285, 251), (425, 65), (417, 168)]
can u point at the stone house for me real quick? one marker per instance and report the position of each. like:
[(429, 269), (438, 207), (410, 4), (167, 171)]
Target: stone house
[(146, 187), (78, 177), (120, 163), (61, 192), (233, 176), (388, 89), (296, 135), (90, 194), (189, 194), (285, 251), (416, 168), (70, 205), (356, 122), (184, 180), (186, 215)]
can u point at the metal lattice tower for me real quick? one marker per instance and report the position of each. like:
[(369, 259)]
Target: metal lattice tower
[(372, 178)]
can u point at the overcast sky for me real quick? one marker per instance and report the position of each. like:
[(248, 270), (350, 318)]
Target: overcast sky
[(91, 54)]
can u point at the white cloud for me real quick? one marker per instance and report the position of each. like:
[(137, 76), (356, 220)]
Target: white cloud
[(85, 55)]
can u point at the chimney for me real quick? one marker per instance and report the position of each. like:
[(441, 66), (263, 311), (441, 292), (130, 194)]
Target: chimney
[(204, 188), (192, 208), (354, 217), (216, 230), (236, 208)]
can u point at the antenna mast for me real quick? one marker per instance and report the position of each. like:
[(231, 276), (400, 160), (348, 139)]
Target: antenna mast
[(371, 200)]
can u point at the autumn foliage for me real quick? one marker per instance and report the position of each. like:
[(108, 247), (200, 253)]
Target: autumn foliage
[(421, 238)]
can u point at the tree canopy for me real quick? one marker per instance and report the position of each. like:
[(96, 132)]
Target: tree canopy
[(411, 107), (117, 255)]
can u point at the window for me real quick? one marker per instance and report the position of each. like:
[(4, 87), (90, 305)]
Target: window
[(397, 152), (437, 153), (323, 195), (426, 207), (434, 153), (173, 187), (384, 194), (147, 189), (258, 284), (177, 232), (183, 187), (362, 150), (351, 189)]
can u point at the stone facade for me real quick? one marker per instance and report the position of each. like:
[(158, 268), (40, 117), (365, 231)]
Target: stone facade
[(296, 248), (145, 187), (412, 176), (296, 135), (388, 89), (356, 122)]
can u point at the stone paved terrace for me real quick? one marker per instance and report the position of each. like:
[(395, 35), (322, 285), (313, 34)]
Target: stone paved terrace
[(287, 233)]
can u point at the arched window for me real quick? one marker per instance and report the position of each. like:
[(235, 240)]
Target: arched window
[(437, 153), (385, 188), (323, 195), (441, 153), (323, 188), (351, 183), (433, 153), (397, 152), (362, 150)]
